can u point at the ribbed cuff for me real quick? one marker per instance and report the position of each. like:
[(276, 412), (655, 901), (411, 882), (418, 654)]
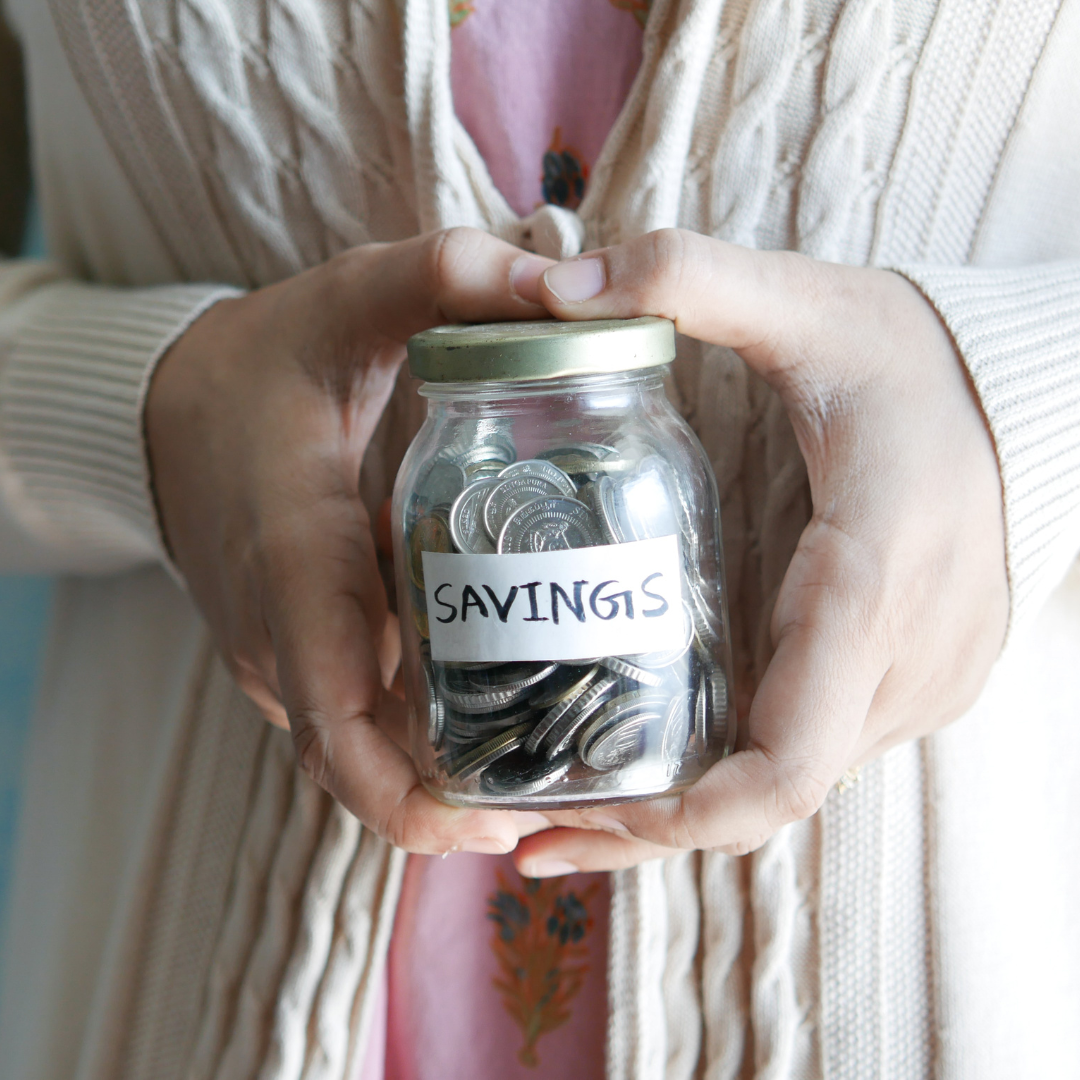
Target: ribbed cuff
[(72, 391), (1018, 331)]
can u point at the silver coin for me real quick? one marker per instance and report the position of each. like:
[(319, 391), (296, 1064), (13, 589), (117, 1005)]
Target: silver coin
[(663, 658), (467, 519), (480, 758), (563, 732), (602, 498), (545, 470), (472, 729), (618, 735), (441, 484), (436, 727), (491, 700), (514, 777), (569, 683), (483, 470), (701, 715), (591, 450), (631, 671), (718, 706), (486, 455), (599, 684), (550, 524), (706, 625), (584, 462), (676, 729), (510, 494), (509, 676)]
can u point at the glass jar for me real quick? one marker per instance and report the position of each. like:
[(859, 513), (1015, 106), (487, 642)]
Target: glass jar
[(559, 570)]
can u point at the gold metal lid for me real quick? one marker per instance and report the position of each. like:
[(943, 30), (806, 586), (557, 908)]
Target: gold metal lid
[(540, 350)]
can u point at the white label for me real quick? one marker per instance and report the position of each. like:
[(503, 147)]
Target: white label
[(555, 605)]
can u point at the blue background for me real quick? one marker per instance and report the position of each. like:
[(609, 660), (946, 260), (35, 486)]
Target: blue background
[(24, 610)]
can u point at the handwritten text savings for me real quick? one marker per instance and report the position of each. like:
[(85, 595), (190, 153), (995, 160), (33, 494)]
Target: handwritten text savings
[(544, 601)]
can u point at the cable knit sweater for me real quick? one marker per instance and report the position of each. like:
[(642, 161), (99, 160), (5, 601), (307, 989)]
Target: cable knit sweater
[(186, 905)]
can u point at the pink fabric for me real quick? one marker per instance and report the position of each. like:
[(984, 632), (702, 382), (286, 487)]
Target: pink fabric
[(447, 1019), (480, 958), (523, 69)]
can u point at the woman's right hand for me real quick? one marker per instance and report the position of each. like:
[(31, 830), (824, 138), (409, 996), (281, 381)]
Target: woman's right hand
[(257, 421)]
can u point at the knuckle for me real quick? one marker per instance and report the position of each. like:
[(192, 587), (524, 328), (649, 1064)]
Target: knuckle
[(449, 252), (314, 750), (668, 255), (799, 792)]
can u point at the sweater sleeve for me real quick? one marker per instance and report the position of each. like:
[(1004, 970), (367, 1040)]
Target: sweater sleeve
[(1018, 331), (75, 364)]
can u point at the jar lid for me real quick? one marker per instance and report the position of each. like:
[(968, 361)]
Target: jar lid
[(540, 350)]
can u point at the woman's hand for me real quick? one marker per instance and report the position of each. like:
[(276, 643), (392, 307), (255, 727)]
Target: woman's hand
[(895, 604), (257, 421)]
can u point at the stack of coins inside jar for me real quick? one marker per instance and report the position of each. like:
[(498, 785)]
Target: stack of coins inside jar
[(516, 729)]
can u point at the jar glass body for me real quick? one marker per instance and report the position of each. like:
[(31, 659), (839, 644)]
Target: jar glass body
[(618, 548)]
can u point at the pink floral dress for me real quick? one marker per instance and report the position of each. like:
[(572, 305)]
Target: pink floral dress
[(493, 976)]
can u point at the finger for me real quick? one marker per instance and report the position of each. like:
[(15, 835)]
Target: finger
[(750, 301), (457, 275), (331, 684), (806, 719), (569, 851)]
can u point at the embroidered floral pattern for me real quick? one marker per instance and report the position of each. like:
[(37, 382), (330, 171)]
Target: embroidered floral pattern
[(565, 174), (638, 8), (538, 944), (459, 10)]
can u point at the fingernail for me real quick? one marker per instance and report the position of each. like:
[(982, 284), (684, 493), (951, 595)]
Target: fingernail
[(485, 845), (576, 280), (549, 868), (603, 821), (525, 277)]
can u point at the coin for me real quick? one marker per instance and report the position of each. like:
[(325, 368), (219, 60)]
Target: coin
[(421, 620), (467, 518), (436, 727), (590, 450), (701, 715), (520, 775), (584, 459), (602, 498), (705, 623), (430, 533), (480, 758), (472, 729), (510, 494), (631, 671), (509, 676), (618, 735), (563, 732), (550, 524), (718, 705), (564, 706), (676, 729), (569, 682), (440, 485), (479, 701), (545, 470)]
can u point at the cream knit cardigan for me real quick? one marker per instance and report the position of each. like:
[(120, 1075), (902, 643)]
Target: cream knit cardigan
[(187, 907)]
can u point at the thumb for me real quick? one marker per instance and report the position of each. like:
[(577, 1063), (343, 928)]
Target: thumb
[(755, 302)]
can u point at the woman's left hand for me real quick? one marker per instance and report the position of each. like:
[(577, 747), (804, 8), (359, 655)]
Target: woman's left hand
[(895, 604)]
